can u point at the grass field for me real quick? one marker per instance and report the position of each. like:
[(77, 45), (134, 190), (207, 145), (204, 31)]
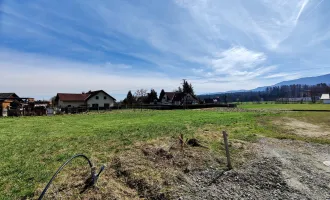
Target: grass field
[(286, 106), (32, 148)]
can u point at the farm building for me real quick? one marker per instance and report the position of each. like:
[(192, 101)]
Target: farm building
[(325, 98), (93, 100), (6, 101), (178, 98)]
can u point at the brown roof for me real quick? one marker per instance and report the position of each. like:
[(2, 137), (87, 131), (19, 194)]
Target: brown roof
[(72, 97), (178, 96), (170, 95), (8, 95), (93, 93), (79, 97)]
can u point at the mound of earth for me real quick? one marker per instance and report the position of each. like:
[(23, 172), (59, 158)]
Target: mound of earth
[(279, 169)]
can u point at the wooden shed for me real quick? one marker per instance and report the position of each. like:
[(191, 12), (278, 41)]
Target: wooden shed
[(6, 99)]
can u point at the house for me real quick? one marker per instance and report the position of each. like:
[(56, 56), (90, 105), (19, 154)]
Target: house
[(98, 99), (7, 101), (325, 98), (178, 98), (168, 98)]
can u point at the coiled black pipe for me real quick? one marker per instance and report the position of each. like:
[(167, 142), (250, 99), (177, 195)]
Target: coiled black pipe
[(94, 176)]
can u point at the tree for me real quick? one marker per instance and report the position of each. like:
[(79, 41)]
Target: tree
[(161, 95), (129, 98), (152, 96), (225, 99), (140, 95), (52, 100), (178, 90), (187, 88)]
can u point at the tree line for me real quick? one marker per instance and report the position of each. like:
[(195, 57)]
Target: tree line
[(274, 93), (142, 96)]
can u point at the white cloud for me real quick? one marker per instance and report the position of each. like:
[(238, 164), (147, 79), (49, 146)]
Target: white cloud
[(237, 58), (236, 63), (267, 21), (113, 66), (284, 76), (277, 75), (301, 6), (234, 42), (27, 76)]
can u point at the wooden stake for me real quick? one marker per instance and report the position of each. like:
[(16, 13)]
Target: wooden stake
[(181, 141), (225, 138)]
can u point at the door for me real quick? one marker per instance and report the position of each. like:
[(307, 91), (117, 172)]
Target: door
[(106, 106), (95, 106)]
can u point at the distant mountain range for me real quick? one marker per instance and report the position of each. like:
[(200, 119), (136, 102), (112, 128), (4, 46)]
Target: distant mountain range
[(303, 81)]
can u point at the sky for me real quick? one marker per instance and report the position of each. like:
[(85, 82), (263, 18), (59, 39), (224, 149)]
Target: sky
[(49, 47)]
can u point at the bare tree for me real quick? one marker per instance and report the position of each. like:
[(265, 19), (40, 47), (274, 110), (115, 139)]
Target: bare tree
[(140, 94), (52, 100)]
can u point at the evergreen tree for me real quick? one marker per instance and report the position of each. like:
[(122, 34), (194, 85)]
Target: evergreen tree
[(178, 90), (152, 96), (187, 88), (161, 95), (129, 98)]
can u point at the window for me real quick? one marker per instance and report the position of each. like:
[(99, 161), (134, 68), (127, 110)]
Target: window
[(105, 97), (97, 97)]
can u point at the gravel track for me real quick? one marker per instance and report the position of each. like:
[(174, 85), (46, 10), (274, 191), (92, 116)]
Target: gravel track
[(281, 169)]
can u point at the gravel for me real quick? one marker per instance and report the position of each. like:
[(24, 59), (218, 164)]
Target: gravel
[(281, 169)]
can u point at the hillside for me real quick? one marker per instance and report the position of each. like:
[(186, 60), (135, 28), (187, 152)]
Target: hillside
[(303, 81), (307, 80)]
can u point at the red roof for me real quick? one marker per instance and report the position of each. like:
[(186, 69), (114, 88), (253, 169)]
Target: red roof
[(72, 97)]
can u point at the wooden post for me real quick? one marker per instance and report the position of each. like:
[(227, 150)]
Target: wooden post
[(181, 141), (225, 138)]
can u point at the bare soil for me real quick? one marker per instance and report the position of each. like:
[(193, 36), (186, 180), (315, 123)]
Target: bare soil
[(277, 169), (303, 128)]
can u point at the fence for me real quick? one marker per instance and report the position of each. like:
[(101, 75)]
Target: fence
[(173, 107)]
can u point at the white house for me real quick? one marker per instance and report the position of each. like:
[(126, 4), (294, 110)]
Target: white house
[(325, 98), (100, 99), (93, 99)]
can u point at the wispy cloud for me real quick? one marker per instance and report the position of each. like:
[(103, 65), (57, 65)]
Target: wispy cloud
[(32, 78), (285, 76), (232, 41), (237, 58), (302, 6)]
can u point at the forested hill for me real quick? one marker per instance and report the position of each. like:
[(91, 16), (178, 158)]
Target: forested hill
[(309, 81), (273, 93)]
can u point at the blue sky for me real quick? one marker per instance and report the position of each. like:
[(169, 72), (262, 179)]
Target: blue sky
[(119, 45)]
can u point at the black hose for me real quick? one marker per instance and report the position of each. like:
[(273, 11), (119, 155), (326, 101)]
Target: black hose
[(60, 169)]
